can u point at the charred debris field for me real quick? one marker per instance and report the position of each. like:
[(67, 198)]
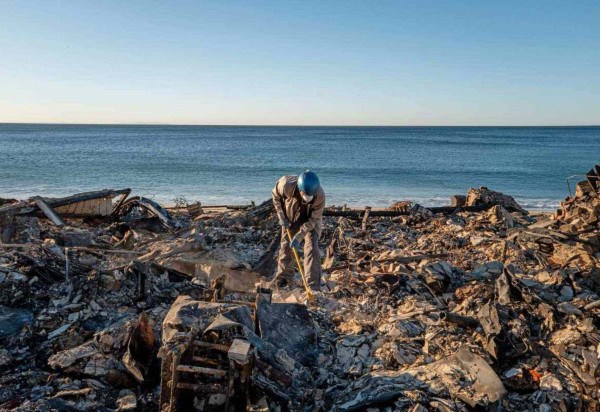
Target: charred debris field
[(113, 302)]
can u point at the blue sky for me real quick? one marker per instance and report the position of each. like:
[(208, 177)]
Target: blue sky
[(301, 62)]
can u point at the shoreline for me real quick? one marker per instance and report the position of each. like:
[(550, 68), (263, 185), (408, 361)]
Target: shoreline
[(171, 202)]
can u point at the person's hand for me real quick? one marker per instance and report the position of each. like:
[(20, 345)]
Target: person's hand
[(296, 240), (284, 222)]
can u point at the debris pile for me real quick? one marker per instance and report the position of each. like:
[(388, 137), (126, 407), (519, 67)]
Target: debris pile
[(116, 303)]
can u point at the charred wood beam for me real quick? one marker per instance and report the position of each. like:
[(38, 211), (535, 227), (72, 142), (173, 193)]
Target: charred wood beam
[(81, 197), (397, 259), (266, 207), (232, 207), (209, 345), (49, 211), (393, 213), (460, 320), (365, 218), (217, 373), (416, 258)]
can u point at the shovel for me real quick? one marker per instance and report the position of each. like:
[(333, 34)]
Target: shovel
[(309, 293)]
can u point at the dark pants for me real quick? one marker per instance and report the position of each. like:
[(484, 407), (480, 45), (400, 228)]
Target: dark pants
[(312, 259)]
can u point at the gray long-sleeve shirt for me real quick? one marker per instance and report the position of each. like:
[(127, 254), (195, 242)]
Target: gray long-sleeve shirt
[(288, 204)]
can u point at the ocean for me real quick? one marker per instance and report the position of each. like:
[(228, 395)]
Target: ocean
[(358, 166)]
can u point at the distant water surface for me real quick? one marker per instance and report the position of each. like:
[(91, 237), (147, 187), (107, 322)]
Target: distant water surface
[(357, 165)]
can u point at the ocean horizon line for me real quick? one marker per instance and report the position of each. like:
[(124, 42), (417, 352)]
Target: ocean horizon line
[(302, 125)]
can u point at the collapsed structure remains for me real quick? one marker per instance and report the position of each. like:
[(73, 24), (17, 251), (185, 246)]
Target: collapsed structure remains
[(115, 303)]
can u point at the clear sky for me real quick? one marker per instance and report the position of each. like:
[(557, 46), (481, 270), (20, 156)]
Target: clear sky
[(321, 62)]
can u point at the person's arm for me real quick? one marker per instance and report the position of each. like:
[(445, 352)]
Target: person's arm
[(316, 215), (278, 196)]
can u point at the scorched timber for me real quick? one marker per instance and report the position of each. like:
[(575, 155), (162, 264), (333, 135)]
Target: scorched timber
[(393, 213)]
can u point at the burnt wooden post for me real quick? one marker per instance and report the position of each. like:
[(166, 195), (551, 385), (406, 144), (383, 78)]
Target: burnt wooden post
[(366, 218)]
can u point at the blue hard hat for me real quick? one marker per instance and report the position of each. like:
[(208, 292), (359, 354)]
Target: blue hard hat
[(308, 182)]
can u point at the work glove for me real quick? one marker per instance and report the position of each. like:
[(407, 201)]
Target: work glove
[(284, 222), (296, 240)]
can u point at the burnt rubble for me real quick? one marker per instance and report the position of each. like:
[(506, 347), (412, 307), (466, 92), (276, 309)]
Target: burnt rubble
[(116, 303)]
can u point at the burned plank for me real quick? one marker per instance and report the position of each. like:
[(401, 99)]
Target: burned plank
[(49, 211), (70, 202), (359, 213)]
